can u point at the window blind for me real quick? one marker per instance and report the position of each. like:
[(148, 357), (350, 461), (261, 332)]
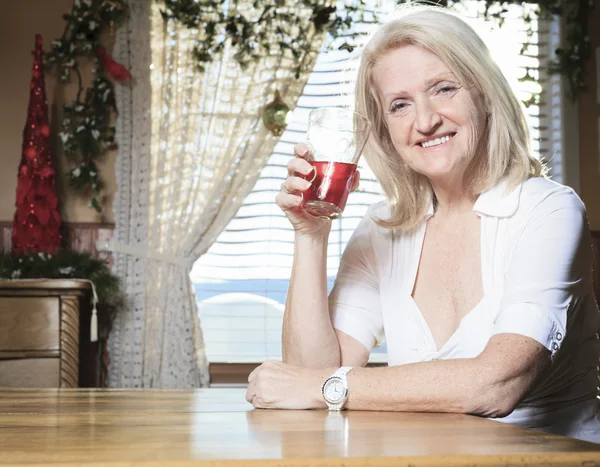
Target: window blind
[(242, 281)]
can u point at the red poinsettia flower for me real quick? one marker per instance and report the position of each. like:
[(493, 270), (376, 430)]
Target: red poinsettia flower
[(114, 69)]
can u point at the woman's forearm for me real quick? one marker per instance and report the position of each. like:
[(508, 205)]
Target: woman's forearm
[(308, 336), (435, 386), (487, 385)]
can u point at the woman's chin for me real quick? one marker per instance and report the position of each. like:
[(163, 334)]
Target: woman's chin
[(440, 171)]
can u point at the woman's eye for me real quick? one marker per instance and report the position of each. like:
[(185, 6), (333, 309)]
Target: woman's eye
[(397, 106), (447, 90)]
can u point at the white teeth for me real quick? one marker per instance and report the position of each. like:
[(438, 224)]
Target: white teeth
[(436, 142)]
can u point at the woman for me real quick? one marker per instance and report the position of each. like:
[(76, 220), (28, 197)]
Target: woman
[(477, 270)]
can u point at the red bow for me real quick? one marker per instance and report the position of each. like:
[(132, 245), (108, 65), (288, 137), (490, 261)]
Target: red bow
[(114, 69)]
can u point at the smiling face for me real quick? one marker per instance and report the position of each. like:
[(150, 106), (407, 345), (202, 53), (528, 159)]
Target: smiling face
[(434, 121)]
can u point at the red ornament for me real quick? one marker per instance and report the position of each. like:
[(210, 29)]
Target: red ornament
[(114, 69), (36, 226), (30, 153), (45, 130)]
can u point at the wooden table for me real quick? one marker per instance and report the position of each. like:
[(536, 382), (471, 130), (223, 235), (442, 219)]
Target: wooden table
[(211, 427)]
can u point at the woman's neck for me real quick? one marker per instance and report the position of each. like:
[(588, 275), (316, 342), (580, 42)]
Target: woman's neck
[(452, 199)]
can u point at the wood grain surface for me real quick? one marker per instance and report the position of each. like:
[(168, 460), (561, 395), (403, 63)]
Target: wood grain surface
[(212, 427), (30, 372), (29, 323)]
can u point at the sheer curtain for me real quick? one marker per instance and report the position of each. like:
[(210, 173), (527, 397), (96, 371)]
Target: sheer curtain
[(191, 148)]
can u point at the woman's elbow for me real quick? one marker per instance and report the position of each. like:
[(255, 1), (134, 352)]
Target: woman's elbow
[(503, 379), (500, 409), (495, 401)]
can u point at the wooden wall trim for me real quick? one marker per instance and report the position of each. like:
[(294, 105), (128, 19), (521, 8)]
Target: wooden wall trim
[(230, 373), (78, 236), (76, 225), (237, 373)]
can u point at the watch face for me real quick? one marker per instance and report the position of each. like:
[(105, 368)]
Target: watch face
[(334, 390)]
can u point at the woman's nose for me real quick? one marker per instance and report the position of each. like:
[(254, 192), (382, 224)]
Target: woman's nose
[(427, 117)]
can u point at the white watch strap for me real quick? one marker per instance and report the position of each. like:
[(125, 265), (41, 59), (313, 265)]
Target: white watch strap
[(342, 372)]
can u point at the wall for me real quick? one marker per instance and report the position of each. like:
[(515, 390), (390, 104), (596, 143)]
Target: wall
[(589, 122), (19, 22)]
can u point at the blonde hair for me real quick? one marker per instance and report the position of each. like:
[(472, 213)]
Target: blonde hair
[(505, 140)]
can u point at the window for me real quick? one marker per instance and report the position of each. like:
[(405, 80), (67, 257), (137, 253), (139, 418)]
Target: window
[(241, 282)]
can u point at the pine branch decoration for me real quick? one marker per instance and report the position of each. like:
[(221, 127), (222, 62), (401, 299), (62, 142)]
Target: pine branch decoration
[(87, 129), (272, 27)]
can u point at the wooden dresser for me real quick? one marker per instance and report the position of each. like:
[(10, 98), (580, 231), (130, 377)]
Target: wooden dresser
[(45, 334)]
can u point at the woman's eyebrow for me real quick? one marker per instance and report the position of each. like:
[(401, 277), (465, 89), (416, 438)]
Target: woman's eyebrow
[(428, 84), (441, 77)]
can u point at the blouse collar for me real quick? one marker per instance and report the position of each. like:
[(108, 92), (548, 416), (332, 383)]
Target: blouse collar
[(498, 201)]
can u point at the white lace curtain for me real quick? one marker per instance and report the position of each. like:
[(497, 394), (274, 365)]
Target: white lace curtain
[(191, 147)]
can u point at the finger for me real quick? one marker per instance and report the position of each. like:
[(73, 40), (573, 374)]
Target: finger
[(250, 393), (253, 373), (272, 364), (355, 181), (287, 201), (302, 150), (298, 166), (259, 402), (293, 185)]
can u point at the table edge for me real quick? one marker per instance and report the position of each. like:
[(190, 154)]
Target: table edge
[(525, 459)]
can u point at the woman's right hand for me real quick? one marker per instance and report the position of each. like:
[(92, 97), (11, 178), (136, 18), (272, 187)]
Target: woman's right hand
[(289, 199)]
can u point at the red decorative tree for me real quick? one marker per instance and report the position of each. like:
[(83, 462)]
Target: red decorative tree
[(36, 226)]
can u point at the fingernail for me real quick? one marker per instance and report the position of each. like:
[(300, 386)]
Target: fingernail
[(304, 153)]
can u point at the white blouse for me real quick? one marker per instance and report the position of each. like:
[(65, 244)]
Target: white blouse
[(536, 264)]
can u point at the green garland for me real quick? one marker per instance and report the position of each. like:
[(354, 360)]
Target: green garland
[(572, 58), (87, 131), (272, 28), (68, 264), (268, 28)]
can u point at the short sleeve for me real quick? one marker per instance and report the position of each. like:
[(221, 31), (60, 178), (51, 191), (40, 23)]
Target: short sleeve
[(548, 270), (354, 302)]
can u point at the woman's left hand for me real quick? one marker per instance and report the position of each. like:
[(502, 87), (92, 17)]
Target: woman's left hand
[(277, 385)]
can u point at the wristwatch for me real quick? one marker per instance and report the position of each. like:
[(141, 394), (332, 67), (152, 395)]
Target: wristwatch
[(335, 389)]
